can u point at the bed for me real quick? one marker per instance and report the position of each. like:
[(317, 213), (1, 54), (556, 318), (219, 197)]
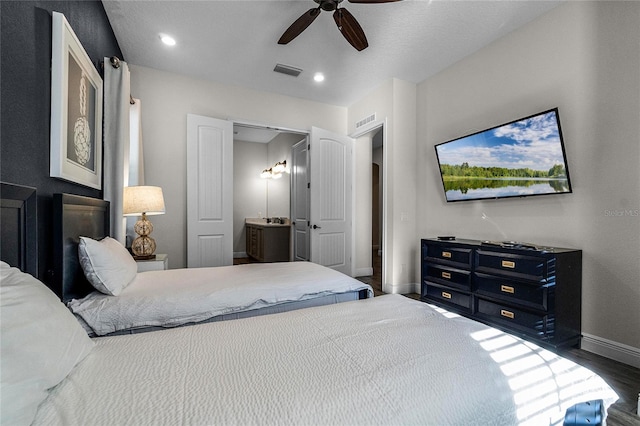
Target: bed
[(18, 226), (159, 299), (384, 360)]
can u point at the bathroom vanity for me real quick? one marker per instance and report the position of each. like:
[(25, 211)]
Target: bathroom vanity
[(268, 240)]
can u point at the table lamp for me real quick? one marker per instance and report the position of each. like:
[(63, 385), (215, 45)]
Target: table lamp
[(143, 200)]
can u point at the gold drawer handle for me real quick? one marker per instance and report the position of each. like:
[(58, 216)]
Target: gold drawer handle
[(446, 275), (507, 314), (446, 295), (508, 264), (446, 254), (507, 289)]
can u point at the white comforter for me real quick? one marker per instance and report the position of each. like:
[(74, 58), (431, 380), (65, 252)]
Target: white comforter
[(386, 360), (181, 296)]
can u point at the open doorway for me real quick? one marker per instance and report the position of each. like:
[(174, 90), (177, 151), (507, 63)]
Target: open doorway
[(255, 197), (377, 190), (329, 222), (370, 207)]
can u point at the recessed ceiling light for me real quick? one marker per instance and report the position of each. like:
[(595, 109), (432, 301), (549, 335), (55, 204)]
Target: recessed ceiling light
[(168, 40), (318, 77)]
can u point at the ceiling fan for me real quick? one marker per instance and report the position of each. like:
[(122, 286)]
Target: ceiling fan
[(347, 24)]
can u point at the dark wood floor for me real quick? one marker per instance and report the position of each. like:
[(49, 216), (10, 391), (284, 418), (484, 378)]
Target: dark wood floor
[(624, 379)]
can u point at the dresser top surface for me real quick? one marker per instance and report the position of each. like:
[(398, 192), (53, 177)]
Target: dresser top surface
[(519, 246)]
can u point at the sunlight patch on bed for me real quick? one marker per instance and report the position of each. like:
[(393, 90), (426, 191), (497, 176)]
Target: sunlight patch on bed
[(544, 384), (444, 312)]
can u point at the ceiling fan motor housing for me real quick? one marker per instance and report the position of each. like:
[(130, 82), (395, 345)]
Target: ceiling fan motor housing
[(328, 5)]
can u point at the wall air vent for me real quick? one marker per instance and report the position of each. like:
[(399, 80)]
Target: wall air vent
[(366, 120), (288, 70)]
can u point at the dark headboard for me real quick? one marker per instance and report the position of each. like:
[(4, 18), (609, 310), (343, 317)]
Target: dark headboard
[(75, 216), (19, 227)]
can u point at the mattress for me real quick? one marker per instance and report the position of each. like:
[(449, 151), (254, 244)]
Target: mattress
[(183, 296), (385, 360)]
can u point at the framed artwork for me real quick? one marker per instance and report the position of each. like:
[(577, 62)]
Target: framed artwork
[(76, 110)]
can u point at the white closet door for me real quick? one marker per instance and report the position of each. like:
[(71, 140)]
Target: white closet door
[(209, 191), (331, 206), (300, 200)]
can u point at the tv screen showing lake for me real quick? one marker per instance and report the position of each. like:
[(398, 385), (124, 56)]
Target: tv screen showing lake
[(517, 159)]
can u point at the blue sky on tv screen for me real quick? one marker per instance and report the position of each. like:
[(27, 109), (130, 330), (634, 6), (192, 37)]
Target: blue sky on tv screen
[(532, 143)]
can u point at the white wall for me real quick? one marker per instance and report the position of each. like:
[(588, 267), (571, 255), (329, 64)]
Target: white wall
[(167, 99), (583, 57), (279, 190), (362, 264), (394, 102), (249, 190)]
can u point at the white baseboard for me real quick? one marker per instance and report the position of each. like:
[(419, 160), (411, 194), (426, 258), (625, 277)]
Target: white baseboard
[(237, 254), (403, 288), (363, 272), (612, 350)]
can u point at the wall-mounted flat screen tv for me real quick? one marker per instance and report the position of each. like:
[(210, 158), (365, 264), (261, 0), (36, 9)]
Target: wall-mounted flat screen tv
[(516, 159)]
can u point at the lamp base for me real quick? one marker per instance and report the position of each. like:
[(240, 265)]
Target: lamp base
[(144, 257), (143, 247)]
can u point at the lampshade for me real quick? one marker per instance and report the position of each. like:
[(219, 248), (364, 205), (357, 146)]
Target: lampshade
[(143, 199)]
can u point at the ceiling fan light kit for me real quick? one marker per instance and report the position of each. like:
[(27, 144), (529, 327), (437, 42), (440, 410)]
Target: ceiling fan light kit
[(345, 21)]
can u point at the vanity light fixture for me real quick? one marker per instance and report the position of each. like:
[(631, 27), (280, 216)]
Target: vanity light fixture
[(266, 174), (280, 167), (274, 172)]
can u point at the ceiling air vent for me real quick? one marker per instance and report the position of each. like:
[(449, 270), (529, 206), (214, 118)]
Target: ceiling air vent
[(366, 120), (288, 70)]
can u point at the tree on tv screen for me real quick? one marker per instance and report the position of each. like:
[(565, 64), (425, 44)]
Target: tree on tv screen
[(465, 171)]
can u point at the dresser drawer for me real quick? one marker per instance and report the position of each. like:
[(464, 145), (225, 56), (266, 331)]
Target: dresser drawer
[(526, 267), (448, 276), (533, 324), (525, 293), (448, 296), (443, 253)]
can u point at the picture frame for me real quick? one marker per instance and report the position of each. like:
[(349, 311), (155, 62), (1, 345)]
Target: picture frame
[(76, 109)]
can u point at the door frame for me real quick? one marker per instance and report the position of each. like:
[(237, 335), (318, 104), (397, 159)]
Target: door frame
[(368, 128), (257, 125)]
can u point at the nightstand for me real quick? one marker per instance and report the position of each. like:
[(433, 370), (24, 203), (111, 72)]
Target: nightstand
[(160, 263)]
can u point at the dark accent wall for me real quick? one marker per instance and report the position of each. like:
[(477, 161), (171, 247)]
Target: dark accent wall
[(25, 87)]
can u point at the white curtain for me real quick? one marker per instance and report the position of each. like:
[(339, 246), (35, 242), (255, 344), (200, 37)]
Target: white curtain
[(122, 142), (136, 165)]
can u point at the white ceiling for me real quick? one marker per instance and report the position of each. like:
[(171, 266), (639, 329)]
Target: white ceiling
[(235, 42), (253, 134)]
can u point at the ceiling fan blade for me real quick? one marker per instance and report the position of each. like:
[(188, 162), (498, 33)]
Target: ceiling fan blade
[(372, 1), (299, 25), (350, 29)]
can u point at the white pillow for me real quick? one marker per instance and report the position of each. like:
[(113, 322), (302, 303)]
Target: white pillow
[(41, 342), (107, 264)]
